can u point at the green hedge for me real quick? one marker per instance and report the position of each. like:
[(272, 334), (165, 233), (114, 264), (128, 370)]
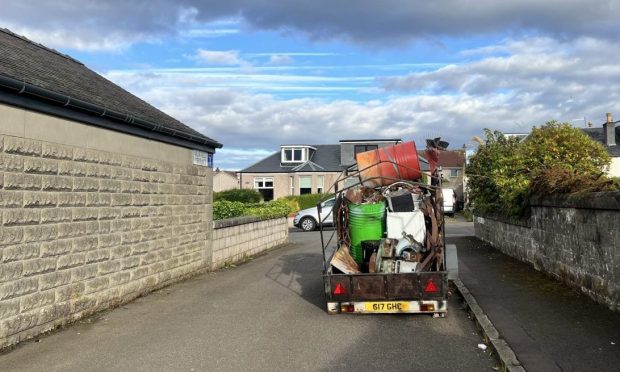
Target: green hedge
[(229, 209), (238, 195), (308, 200), (556, 158)]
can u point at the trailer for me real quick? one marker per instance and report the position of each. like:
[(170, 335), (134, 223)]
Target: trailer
[(406, 266)]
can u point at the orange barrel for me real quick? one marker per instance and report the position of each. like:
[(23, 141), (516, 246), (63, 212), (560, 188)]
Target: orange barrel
[(387, 165)]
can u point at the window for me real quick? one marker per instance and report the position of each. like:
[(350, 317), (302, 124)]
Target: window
[(264, 185), (292, 184), (454, 172), (305, 185), (319, 184), (364, 148), (202, 158), (294, 154)]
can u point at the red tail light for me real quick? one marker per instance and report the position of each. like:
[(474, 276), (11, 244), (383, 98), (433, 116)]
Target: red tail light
[(431, 287), (339, 290)]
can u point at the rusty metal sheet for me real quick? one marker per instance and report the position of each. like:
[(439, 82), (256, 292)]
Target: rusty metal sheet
[(403, 286), (368, 287)]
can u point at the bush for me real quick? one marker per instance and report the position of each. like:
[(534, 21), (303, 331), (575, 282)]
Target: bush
[(555, 158), (273, 209), (227, 209), (239, 195), (308, 200)]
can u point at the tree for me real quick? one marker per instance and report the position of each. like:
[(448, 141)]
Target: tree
[(555, 158)]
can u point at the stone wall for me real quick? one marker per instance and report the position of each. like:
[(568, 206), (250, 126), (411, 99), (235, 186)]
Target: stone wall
[(236, 239), (83, 230), (575, 240)]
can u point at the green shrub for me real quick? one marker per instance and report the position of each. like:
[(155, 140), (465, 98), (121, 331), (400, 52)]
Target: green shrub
[(239, 195), (308, 200), (273, 209), (555, 158), (227, 209)]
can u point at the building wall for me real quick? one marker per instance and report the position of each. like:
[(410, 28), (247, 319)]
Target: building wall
[(614, 167), (237, 239), (282, 185), (91, 219), (575, 240), (224, 181)]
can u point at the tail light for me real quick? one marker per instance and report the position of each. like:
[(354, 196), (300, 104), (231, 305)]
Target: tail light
[(431, 287), (347, 308), (339, 290)]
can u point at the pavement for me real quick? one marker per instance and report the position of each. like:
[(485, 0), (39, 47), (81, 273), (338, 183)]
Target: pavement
[(549, 326), (265, 315)]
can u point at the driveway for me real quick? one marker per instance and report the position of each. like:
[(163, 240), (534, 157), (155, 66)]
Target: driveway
[(265, 315)]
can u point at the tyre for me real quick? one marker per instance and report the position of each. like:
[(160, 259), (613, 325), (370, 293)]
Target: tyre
[(307, 224)]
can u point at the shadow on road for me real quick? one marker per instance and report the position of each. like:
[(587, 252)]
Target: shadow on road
[(301, 274)]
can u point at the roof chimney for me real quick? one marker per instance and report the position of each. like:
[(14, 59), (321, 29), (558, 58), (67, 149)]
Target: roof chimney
[(610, 131)]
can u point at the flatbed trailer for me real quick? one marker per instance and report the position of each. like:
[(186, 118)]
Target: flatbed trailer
[(425, 291)]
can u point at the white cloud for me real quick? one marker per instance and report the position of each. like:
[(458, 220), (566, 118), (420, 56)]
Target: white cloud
[(280, 59), (509, 90), (218, 57)]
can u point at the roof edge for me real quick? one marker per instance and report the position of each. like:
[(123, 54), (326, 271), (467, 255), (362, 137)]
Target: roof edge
[(21, 88), (47, 108)]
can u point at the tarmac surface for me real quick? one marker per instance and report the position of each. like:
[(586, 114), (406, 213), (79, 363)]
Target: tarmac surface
[(266, 315), (549, 326)]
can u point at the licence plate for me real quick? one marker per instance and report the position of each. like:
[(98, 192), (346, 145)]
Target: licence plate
[(386, 307)]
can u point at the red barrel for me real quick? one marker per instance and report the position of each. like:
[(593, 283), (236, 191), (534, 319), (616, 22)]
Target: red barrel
[(387, 165)]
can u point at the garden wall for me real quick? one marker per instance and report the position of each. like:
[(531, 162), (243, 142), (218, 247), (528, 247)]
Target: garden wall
[(236, 239), (574, 239)]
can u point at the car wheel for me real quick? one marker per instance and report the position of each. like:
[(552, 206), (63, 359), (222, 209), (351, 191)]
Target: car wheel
[(307, 224)]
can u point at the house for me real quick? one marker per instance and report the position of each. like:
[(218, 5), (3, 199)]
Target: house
[(452, 163), (103, 196), (224, 180), (609, 135), (305, 169)]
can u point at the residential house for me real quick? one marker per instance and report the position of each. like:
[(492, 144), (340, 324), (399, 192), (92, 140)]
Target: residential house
[(452, 163), (224, 180), (305, 169), (103, 196), (609, 135)]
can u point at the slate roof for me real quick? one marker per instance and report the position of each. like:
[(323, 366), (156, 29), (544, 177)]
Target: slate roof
[(598, 134), (325, 159), (33, 63)]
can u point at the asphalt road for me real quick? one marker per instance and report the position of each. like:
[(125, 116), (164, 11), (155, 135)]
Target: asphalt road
[(265, 315)]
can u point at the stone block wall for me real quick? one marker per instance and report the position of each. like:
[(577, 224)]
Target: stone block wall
[(575, 240), (82, 230), (238, 238)]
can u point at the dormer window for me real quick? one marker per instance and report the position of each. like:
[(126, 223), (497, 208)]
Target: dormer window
[(296, 154)]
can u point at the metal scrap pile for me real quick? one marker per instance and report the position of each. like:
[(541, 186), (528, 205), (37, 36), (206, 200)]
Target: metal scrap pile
[(390, 229)]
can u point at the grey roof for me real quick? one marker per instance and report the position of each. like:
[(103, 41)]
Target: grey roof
[(598, 135), (33, 63), (326, 158)]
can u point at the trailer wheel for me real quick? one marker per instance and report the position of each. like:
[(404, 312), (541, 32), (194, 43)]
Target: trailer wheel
[(307, 224)]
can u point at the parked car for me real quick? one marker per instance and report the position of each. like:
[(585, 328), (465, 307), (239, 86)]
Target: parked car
[(449, 201), (308, 219)]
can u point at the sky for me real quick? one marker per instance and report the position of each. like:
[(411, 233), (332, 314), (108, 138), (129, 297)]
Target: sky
[(257, 74)]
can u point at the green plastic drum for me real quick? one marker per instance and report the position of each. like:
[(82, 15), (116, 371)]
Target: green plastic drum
[(366, 222)]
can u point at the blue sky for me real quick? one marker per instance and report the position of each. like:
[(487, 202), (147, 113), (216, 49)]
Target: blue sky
[(257, 74)]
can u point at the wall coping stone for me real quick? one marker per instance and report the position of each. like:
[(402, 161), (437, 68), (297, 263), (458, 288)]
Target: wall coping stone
[(523, 222), (609, 200), (236, 221)]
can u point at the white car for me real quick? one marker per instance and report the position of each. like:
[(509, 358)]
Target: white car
[(449, 201), (308, 219)]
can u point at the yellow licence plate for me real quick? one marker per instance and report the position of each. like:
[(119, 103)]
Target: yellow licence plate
[(386, 307)]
